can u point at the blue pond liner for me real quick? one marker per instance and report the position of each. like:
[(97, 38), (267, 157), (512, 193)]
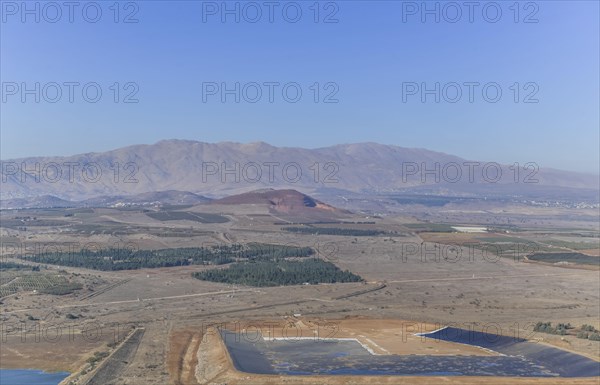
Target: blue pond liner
[(565, 363), (519, 358)]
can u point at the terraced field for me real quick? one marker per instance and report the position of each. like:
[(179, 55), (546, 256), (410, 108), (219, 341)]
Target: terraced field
[(40, 282)]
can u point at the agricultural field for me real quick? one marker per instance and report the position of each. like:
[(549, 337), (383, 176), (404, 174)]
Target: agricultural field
[(530, 244), (38, 282), (347, 232), (187, 216), (570, 258), (410, 273), (430, 227)]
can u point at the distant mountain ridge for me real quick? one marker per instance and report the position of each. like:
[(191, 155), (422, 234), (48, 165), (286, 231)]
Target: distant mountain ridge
[(226, 168), (171, 197)]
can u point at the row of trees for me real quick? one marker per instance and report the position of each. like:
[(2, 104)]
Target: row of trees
[(127, 259), (4, 266), (278, 273), (566, 257), (334, 231)]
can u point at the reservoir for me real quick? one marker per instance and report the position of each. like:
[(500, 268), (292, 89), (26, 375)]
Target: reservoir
[(518, 358), (30, 377)]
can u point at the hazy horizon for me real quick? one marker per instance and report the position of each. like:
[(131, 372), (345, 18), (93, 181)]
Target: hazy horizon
[(355, 87)]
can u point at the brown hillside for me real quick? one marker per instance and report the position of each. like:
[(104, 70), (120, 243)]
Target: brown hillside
[(286, 201)]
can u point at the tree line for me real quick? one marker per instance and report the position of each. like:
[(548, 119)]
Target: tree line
[(127, 259), (17, 266), (334, 231), (278, 273)]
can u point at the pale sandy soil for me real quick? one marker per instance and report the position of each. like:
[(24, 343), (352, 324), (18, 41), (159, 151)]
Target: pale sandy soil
[(62, 355)]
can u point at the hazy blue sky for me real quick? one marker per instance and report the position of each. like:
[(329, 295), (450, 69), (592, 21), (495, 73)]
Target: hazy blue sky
[(374, 48)]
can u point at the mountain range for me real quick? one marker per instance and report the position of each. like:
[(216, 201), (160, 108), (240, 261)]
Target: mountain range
[(189, 171)]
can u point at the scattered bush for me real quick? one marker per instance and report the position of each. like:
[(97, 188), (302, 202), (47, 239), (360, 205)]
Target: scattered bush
[(584, 332), (98, 356), (594, 337)]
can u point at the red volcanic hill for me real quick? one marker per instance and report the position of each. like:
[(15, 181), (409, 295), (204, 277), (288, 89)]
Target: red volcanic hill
[(287, 201)]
